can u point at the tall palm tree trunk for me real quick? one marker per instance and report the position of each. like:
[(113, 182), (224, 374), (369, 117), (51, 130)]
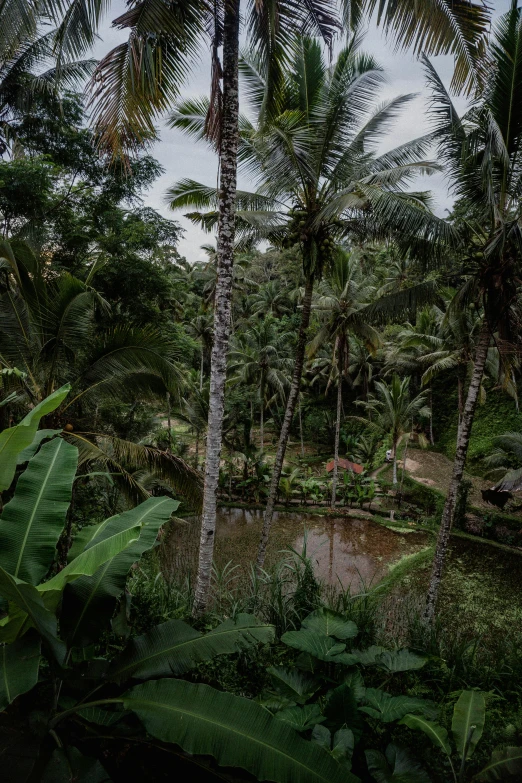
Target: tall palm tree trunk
[(463, 437), (338, 424), (300, 425), (196, 451), (460, 395), (169, 423), (222, 311), (432, 439), (287, 421), (261, 428), (395, 479), (201, 370)]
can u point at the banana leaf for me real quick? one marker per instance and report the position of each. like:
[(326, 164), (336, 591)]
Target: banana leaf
[(437, 734), (467, 725), (32, 521), (30, 601), (19, 665), (175, 647), (15, 439), (235, 731), (90, 601)]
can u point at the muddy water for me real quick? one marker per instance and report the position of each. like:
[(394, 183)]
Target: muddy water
[(351, 551)]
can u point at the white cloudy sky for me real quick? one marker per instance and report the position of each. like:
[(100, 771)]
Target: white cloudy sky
[(180, 157)]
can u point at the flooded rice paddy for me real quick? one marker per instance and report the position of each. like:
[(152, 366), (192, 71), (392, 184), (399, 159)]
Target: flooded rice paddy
[(344, 551)]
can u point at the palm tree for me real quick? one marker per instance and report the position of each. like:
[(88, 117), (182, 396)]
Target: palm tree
[(483, 157), (394, 412), (342, 298), (138, 80), (201, 328), (49, 335), (28, 74), (320, 179), (260, 357), (271, 298), (506, 460), (436, 343), (194, 410), (361, 366)]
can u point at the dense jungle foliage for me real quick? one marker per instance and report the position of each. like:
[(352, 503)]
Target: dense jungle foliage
[(260, 513)]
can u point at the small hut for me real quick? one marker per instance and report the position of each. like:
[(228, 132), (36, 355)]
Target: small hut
[(345, 464)]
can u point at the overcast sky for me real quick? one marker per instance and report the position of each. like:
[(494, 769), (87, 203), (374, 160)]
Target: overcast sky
[(181, 157)]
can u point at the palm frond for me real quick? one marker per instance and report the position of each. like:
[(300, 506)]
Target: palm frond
[(457, 27), (139, 79), (124, 459)]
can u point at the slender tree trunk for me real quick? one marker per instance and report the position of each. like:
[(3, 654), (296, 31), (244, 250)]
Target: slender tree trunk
[(301, 426), (458, 470), (287, 421), (337, 424), (404, 457), (432, 439), (460, 390), (196, 455), (169, 423), (201, 370), (395, 467), (261, 428), (222, 311)]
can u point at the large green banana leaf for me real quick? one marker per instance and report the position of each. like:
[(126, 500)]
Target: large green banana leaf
[(437, 734), (174, 647), (88, 562), (467, 725), (27, 598), (89, 602), (33, 447), (14, 625), (31, 523), (16, 439), (19, 664), (235, 731)]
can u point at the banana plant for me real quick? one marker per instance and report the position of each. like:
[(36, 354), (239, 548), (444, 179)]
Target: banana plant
[(467, 727), (58, 684)]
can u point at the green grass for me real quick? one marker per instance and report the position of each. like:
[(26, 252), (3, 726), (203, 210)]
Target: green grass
[(496, 416)]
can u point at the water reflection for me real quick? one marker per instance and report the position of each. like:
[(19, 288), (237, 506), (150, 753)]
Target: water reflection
[(351, 551)]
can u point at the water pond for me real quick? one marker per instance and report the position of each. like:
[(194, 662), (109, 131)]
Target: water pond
[(346, 550)]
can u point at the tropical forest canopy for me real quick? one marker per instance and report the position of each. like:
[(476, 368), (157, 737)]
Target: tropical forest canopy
[(260, 513)]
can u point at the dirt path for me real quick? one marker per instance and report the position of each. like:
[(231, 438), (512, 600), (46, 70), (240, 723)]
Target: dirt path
[(434, 470)]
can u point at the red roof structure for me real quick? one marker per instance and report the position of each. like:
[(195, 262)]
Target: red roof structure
[(353, 467)]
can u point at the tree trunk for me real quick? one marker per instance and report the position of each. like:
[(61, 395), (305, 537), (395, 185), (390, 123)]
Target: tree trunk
[(222, 311), (262, 414), (458, 469), (394, 481), (460, 391), (338, 424), (300, 425), (196, 454), (404, 457), (201, 370), (169, 424), (289, 414), (432, 439)]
